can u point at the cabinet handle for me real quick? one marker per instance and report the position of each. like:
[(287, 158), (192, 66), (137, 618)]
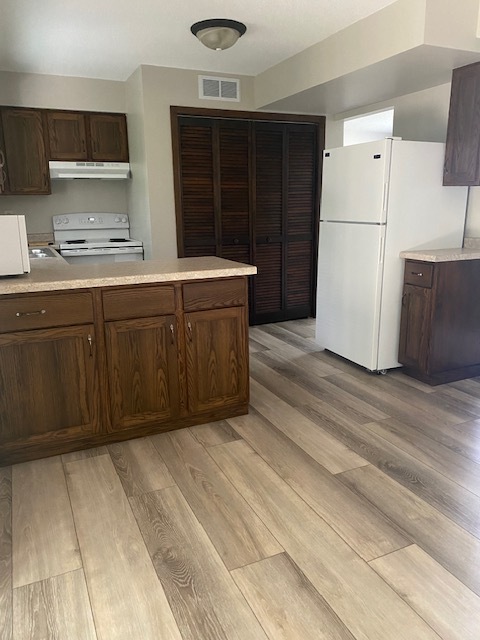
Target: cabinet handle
[(90, 342), (2, 158), (236, 241), (173, 333), (189, 327), (414, 273), (267, 239), (21, 314)]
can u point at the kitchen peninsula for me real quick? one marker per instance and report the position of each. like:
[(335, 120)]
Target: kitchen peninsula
[(91, 354)]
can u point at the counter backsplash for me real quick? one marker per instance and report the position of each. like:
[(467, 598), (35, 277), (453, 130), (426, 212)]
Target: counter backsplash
[(472, 243)]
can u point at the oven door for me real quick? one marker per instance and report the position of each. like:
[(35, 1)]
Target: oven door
[(100, 255)]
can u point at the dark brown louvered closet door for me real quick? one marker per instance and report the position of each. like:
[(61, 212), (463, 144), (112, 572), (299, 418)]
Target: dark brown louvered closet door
[(197, 187), (247, 190), (234, 190)]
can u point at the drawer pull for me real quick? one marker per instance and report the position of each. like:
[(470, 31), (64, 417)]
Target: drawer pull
[(173, 334), (21, 314), (189, 326), (414, 273), (90, 342)]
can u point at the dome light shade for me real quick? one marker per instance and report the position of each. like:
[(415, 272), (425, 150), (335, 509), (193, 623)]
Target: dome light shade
[(218, 33)]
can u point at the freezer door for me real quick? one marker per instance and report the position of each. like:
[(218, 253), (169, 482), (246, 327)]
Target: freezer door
[(350, 269), (355, 182)]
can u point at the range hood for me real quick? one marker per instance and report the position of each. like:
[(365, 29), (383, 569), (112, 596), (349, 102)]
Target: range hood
[(102, 170)]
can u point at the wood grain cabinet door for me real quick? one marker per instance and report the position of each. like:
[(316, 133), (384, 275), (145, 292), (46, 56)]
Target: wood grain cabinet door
[(26, 163), (415, 327), (462, 155), (217, 358), (48, 386), (143, 371), (108, 137), (67, 135)]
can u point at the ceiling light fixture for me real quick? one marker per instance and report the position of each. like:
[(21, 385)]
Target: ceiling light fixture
[(218, 33)]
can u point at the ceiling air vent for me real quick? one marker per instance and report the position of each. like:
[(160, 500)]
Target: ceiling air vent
[(211, 88)]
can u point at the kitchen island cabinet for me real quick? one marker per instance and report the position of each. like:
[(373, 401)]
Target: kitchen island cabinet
[(440, 321), (49, 389), (146, 349)]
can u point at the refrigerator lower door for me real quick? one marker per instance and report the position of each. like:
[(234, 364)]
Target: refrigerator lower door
[(350, 270)]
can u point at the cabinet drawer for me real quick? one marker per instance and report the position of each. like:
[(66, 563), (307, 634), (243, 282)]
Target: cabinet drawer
[(138, 302), (38, 312), (419, 273), (214, 294)]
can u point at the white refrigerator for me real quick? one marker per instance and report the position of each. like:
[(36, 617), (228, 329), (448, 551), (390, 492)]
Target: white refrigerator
[(378, 198)]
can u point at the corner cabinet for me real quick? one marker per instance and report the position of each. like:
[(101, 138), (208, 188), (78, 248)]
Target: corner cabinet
[(84, 368), (462, 153), (23, 153), (440, 321)]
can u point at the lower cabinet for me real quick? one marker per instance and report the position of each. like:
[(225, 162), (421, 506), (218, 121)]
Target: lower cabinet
[(146, 358), (217, 366), (440, 322), (142, 371), (48, 388)]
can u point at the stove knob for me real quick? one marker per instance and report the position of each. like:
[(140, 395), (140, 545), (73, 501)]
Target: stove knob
[(100, 220), (117, 219), (66, 221), (124, 219)]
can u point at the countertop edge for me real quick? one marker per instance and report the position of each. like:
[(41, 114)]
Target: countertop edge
[(442, 255), (25, 284)]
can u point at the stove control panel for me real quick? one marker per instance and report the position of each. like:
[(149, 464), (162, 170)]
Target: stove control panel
[(90, 220)]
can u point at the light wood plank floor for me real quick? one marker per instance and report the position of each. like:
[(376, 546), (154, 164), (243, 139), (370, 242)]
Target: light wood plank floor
[(345, 506)]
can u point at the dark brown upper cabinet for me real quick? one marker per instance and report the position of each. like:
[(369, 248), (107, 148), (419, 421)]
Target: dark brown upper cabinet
[(67, 135), (462, 153), (23, 152), (77, 135)]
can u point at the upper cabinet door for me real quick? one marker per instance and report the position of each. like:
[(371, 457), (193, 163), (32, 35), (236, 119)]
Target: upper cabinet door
[(108, 137), (26, 164), (462, 155), (67, 135)]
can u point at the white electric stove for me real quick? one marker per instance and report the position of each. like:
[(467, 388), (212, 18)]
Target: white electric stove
[(95, 238)]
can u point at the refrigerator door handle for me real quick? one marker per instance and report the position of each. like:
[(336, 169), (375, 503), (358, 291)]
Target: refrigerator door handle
[(382, 247), (385, 197)]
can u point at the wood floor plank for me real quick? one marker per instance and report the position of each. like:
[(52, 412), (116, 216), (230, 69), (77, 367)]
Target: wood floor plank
[(255, 346), (432, 453), (369, 608), (319, 444), (454, 501), (286, 603), (44, 539), (439, 598), (279, 384), (139, 466), (54, 609), (235, 530), (454, 548), (467, 402), (5, 553), (304, 375), (202, 595), (304, 344), (305, 328), (362, 526), (363, 386), (213, 433), (127, 598), (397, 374), (84, 453)]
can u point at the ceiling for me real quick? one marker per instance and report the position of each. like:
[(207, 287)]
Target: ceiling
[(109, 39)]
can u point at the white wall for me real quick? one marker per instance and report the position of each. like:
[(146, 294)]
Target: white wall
[(58, 92)]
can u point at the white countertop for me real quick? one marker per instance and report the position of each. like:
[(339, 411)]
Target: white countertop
[(54, 274), (441, 255)]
